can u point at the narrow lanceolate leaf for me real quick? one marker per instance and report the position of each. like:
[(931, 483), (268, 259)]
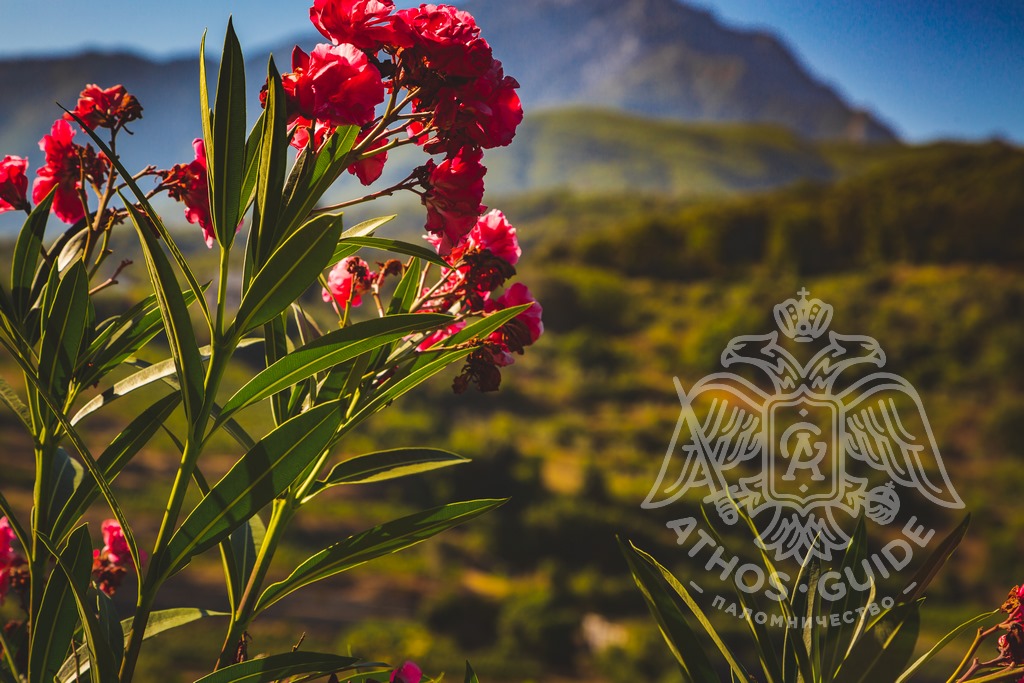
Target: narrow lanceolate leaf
[(331, 349), (57, 617), (227, 167), (384, 465), (118, 454), (946, 640), (256, 479), (407, 290), (253, 144), (154, 221), (482, 328), (177, 324), (27, 251), (289, 271), (246, 541), (665, 605), (380, 540), (123, 337), (926, 573), (368, 227), (884, 648), (273, 157), (66, 478), (10, 398), (470, 675), (282, 666), (63, 331), (313, 174), (397, 247)]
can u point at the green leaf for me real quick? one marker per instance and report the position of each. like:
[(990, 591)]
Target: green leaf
[(67, 475), (367, 228), (397, 247), (470, 675), (270, 179), (148, 373), (256, 479), (245, 545), (27, 251), (767, 650), (662, 595), (58, 613), (289, 271), (944, 641), (839, 638), (118, 454), (923, 577), (159, 621), (253, 145), (332, 349), (280, 666), (227, 165), (153, 218), (380, 540), (407, 290), (64, 329), (177, 324), (884, 648), (384, 465), (123, 337), (10, 398), (313, 174)]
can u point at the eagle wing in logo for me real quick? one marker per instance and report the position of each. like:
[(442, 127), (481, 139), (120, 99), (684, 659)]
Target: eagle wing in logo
[(876, 434), (719, 426)]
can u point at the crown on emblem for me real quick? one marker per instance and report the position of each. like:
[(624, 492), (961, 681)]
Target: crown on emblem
[(803, 320)]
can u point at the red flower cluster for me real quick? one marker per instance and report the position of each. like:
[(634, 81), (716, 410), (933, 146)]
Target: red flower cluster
[(112, 562), (68, 167), (189, 183), (10, 560), (481, 262), (111, 108), (460, 99), (13, 184)]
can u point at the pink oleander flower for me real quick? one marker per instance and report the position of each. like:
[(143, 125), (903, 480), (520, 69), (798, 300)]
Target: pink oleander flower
[(407, 673), (189, 183), (110, 108), (438, 336), (111, 563), (8, 558), (335, 85), (494, 233), (367, 24), (447, 41), (454, 189), (523, 330), (370, 169), (114, 543), (347, 282), (13, 184), (66, 163)]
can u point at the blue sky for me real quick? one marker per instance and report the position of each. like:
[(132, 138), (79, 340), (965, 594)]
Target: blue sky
[(931, 68)]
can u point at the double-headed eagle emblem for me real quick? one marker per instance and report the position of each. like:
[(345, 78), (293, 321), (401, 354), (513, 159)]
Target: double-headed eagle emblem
[(802, 443)]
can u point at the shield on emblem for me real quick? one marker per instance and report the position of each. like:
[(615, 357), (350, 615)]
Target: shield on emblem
[(804, 455)]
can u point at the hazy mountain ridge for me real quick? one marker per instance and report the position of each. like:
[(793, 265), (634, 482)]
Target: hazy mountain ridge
[(652, 57)]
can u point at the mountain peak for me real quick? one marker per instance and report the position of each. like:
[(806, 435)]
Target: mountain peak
[(667, 59)]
